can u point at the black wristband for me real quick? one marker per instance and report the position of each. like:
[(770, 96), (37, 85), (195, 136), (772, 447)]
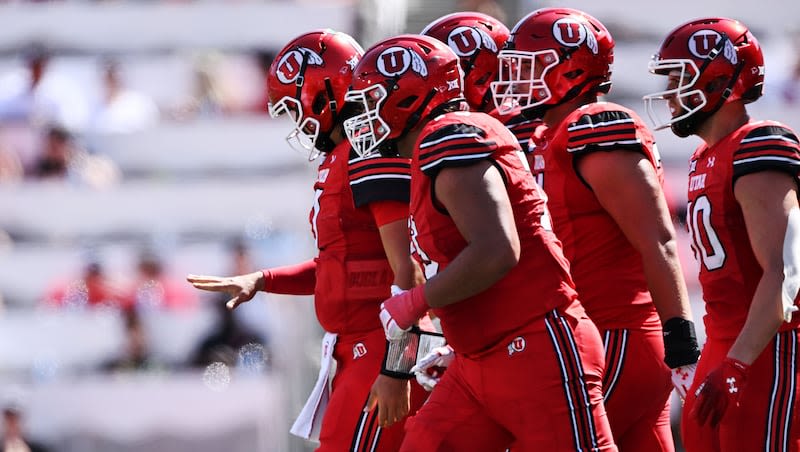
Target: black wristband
[(680, 343), (393, 373)]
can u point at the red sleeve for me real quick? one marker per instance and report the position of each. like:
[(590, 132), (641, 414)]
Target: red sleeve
[(770, 147), (386, 212), (603, 131), (454, 145), (297, 279)]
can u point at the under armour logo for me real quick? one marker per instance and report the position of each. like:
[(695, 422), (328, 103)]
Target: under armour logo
[(710, 162), (452, 84), (352, 62), (732, 385)]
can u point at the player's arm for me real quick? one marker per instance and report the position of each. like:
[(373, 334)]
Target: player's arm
[(392, 220), (392, 395), (768, 200), (476, 199), (298, 279), (626, 185)]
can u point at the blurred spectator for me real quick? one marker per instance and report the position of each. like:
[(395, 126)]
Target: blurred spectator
[(121, 110), (62, 159), (155, 288), (263, 59), (10, 166), (490, 7), (136, 355), (208, 97), (790, 88), (14, 439), (231, 341), (92, 289), (37, 97)]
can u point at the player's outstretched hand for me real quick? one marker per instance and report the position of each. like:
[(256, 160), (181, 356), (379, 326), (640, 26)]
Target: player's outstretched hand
[(241, 288), (430, 368)]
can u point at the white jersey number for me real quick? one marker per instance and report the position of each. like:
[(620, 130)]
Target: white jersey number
[(431, 267), (705, 242)]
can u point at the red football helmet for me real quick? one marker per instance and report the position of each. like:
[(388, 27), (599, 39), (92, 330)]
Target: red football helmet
[(476, 38), (710, 62), (308, 80), (553, 55), (397, 83)]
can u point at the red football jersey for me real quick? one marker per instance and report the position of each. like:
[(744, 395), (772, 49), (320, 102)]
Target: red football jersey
[(353, 274), (521, 126), (537, 284), (729, 272), (608, 271)]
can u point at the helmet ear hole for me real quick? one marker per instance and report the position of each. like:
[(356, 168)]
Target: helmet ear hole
[(320, 101), (573, 74), (407, 102), (715, 85)]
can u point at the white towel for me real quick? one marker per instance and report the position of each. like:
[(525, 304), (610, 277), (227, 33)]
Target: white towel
[(309, 423)]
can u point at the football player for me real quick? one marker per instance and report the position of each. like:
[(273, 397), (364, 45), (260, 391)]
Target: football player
[(359, 221), (600, 168), (528, 364), (744, 222), (477, 38)]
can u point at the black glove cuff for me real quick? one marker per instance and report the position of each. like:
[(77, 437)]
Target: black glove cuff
[(680, 343)]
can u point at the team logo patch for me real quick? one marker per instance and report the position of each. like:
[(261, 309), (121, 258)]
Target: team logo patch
[(516, 346), (702, 42), (289, 66), (398, 60), (571, 33), (465, 41), (359, 350)]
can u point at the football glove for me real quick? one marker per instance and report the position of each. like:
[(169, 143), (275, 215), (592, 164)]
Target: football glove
[(430, 368), (682, 378), (722, 388)]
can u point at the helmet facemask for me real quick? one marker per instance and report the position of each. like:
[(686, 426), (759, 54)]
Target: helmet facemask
[(305, 133), (366, 130), (521, 79), (680, 102)]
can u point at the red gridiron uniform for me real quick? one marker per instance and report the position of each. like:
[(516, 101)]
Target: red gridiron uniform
[(729, 274), (527, 328), (352, 279), (607, 269)]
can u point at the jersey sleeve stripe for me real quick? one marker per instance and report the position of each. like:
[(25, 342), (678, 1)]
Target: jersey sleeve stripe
[(790, 139), (447, 132), (471, 146), (379, 177), (386, 167), (769, 149), (459, 136), (597, 125), (606, 144), (770, 130), (768, 158), (625, 129), (451, 158)]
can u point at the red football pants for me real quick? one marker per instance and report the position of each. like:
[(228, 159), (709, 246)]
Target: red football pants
[(345, 425), (540, 391), (767, 418), (636, 388)]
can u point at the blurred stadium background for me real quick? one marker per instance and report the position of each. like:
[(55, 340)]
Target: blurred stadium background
[(153, 157)]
